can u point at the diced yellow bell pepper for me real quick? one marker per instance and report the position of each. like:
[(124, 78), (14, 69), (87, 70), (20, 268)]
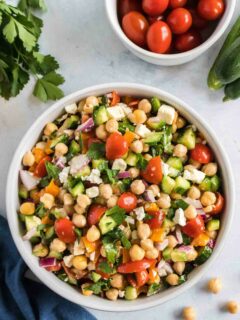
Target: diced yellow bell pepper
[(201, 240), (150, 207), (52, 188), (158, 235), (129, 137), (90, 246), (39, 154)]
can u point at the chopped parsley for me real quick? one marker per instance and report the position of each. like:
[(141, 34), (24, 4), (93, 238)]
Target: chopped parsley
[(99, 286), (52, 170), (141, 161), (117, 214), (96, 150), (105, 267)]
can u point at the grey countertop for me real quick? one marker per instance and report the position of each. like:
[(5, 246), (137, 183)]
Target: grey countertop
[(78, 34)]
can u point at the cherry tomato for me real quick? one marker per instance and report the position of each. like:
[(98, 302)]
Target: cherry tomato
[(188, 41), (194, 227), (136, 266), (159, 37), (95, 213), (179, 20), (157, 219), (127, 201), (142, 278), (135, 26), (153, 171), (177, 3), (64, 229), (201, 153), (92, 140), (125, 6), (210, 9), (218, 206), (197, 21), (116, 146), (154, 7), (40, 170), (55, 268)]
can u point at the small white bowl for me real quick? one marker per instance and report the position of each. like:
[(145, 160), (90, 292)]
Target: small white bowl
[(169, 59), (12, 201)]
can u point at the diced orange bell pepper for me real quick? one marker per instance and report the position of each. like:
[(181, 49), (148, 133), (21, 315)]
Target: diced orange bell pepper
[(47, 220), (52, 188), (129, 136), (85, 138), (115, 98), (33, 167), (201, 240), (151, 207), (90, 246), (153, 276), (85, 117), (125, 255), (47, 149), (39, 154), (158, 235), (34, 194)]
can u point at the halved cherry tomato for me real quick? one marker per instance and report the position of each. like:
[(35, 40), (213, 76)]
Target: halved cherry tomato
[(65, 230), (116, 146), (95, 213), (218, 206), (157, 220), (127, 201), (201, 153), (125, 6), (142, 278), (210, 9), (159, 37), (153, 171), (179, 20), (177, 3), (55, 268), (40, 170), (197, 21), (194, 227), (154, 7), (136, 266), (135, 26), (188, 41)]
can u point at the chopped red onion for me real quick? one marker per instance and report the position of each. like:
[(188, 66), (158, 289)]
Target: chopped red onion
[(29, 181), (167, 268), (179, 236), (59, 162), (78, 162), (47, 262), (124, 175), (211, 243), (197, 204), (161, 264), (161, 245), (86, 126), (186, 249), (149, 196), (30, 234)]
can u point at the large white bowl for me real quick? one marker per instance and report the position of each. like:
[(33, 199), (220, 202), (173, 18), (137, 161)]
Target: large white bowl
[(168, 59), (24, 247)]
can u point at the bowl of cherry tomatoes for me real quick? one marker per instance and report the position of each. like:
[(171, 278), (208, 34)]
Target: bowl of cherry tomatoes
[(169, 32)]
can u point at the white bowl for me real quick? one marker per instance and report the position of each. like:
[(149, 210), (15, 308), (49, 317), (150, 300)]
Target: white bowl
[(12, 201), (169, 59)]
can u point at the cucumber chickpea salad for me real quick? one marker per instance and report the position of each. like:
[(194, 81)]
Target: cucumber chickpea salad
[(121, 197)]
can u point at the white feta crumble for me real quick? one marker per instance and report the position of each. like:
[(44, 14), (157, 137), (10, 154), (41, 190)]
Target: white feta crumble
[(142, 131), (194, 175), (140, 213), (92, 192), (78, 162), (63, 175), (129, 220), (68, 260), (179, 217), (77, 248), (165, 168), (116, 113), (124, 108), (166, 113), (121, 293), (92, 255), (119, 164), (94, 177), (71, 108)]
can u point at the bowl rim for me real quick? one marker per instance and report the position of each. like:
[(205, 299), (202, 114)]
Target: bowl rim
[(51, 280), (170, 57)]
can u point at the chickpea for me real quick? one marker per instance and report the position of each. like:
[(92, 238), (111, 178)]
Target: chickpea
[(117, 281), (179, 267), (208, 198), (39, 250), (79, 209), (136, 253), (79, 220), (210, 169), (147, 156), (85, 291), (41, 145), (192, 255), (105, 191), (145, 105), (68, 199), (194, 193), (112, 294), (50, 128), (137, 187), (195, 163), (155, 189), (27, 208), (152, 254), (101, 133), (180, 150), (28, 159), (189, 313), (134, 235), (172, 279), (58, 245), (143, 231), (164, 201), (79, 262), (146, 147), (134, 173), (181, 122), (111, 125), (48, 200), (83, 201), (103, 252), (92, 100), (61, 149), (138, 116), (93, 234), (215, 285), (112, 201), (190, 212), (88, 109), (137, 146), (147, 244), (172, 241), (233, 307), (61, 195)]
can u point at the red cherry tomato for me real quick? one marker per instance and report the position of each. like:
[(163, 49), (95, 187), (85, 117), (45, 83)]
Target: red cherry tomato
[(40, 170), (157, 219), (64, 229), (159, 37), (136, 266), (201, 153), (194, 227), (135, 26), (179, 20), (125, 6), (95, 213), (177, 3), (154, 7), (116, 146), (218, 206), (153, 171), (127, 201), (55, 268), (197, 21), (188, 41), (210, 9), (142, 278)]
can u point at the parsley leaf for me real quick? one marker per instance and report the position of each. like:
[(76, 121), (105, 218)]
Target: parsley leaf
[(118, 234), (96, 151), (99, 286), (117, 214), (105, 267), (141, 161), (40, 210), (52, 170), (124, 185), (125, 124), (153, 289), (110, 249), (111, 175)]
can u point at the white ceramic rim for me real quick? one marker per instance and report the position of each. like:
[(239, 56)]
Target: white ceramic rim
[(169, 57), (66, 290)]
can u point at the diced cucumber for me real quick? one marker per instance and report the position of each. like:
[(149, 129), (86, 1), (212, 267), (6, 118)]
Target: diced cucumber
[(74, 148), (203, 255), (205, 185), (95, 276), (178, 256), (100, 115), (99, 164), (70, 123), (107, 224), (156, 104), (213, 225), (210, 184), (84, 172), (167, 184), (55, 254), (153, 138), (168, 224), (77, 189), (155, 125), (187, 138), (33, 222), (175, 163), (181, 185), (22, 192), (63, 139), (50, 233), (215, 183), (58, 213), (167, 253), (130, 293), (132, 159)]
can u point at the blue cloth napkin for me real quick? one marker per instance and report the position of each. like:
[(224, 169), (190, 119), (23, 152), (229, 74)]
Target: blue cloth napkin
[(21, 298)]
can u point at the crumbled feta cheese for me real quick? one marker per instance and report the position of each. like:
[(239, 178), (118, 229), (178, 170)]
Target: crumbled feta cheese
[(92, 192), (116, 113), (194, 175), (68, 260), (140, 214), (166, 113), (94, 177), (162, 272), (165, 168), (179, 217), (77, 248), (119, 164), (92, 255), (142, 131), (71, 108), (62, 159), (78, 162), (129, 220), (121, 294), (63, 175), (124, 108)]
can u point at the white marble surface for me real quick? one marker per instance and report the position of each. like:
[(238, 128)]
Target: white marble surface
[(78, 34)]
